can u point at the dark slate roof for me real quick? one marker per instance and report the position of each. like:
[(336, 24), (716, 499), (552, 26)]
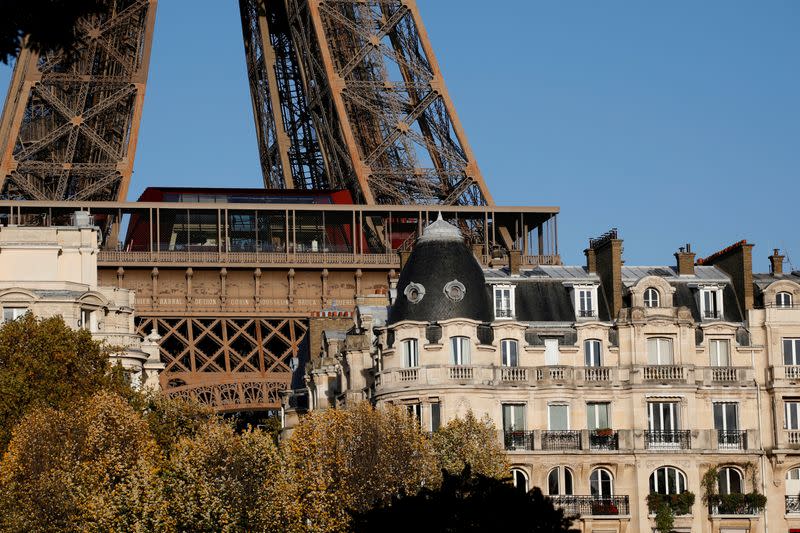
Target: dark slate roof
[(543, 301), (762, 281), (435, 261), (685, 296)]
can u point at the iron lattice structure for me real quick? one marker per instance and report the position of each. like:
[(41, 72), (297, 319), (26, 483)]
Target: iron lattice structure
[(347, 94), (69, 127)]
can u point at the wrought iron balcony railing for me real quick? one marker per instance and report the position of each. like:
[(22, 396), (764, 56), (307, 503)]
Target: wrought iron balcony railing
[(518, 440), (792, 504), (592, 505), (587, 313), (561, 440), (660, 440), (503, 313), (732, 440), (603, 440)]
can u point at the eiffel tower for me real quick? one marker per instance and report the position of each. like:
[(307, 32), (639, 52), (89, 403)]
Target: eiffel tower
[(347, 95)]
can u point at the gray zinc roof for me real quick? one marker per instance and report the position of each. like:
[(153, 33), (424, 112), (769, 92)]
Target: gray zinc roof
[(702, 273)]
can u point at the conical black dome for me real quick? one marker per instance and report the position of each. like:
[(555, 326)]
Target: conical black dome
[(441, 280)]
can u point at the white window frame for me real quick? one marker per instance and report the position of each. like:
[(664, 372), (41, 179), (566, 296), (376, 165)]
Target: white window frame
[(593, 352), (579, 295), (658, 342), (551, 351), (410, 353), (717, 291), (518, 471), (15, 312), (414, 409), (600, 472), (506, 351), (713, 351), (561, 475), (793, 353), (784, 299), (650, 300), (791, 407), (674, 418), (593, 415), (550, 407), (727, 425), (514, 407), (500, 312), (676, 473), (460, 351), (726, 472)]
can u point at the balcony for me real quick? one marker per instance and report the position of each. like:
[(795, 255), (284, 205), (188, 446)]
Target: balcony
[(561, 440), (668, 440), (603, 440), (732, 440), (503, 313), (587, 313), (784, 376), (592, 505), (664, 374), (792, 504), (518, 440)]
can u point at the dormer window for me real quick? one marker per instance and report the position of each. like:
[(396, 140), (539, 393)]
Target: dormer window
[(652, 298), (711, 303), (783, 299), (503, 301), (585, 301)]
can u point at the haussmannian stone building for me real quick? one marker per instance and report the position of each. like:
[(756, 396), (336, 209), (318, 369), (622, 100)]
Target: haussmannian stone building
[(607, 382)]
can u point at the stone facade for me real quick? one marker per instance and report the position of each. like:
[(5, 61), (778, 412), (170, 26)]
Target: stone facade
[(52, 271), (606, 382)]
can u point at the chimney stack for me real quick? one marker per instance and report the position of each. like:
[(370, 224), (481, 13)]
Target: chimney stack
[(776, 263), (605, 254), (737, 261), (685, 258), (591, 260)]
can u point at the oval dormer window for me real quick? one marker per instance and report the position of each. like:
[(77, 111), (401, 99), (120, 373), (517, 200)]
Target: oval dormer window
[(414, 292), (455, 290)]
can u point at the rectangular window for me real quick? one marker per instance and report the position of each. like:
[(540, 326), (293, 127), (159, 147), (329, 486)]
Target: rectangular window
[(726, 416), (13, 313), (791, 352), (558, 417), (551, 352), (410, 353), (792, 414), (513, 417), (659, 351), (87, 320), (591, 353), (711, 303), (720, 352), (585, 307), (459, 351), (663, 416), (436, 416), (597, 415), (503, 302), (415, 410), (510, 356)]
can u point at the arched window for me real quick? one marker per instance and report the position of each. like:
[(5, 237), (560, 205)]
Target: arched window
[(459, 350), (730, 481), (559, 481), (410, 353), (792, 490), (668, 480), (602, 483), (783, 299), (510, 352), (652, 298), (592, 352), (520, 479)]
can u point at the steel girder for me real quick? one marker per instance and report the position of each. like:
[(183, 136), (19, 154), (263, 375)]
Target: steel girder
[(69, 127)]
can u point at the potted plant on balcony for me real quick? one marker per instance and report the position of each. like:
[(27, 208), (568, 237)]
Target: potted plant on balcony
[(604, 432), (601, 508)]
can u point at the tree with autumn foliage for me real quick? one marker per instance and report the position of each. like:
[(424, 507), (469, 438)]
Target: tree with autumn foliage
[(45, 363), (470, 441), (91, 467), (340, 461)]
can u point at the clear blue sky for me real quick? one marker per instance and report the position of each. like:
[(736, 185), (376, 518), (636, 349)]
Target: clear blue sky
[(673, 121)]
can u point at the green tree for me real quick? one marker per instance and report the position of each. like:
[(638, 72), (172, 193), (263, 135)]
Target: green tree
[(467, 502), (42, 25), (343, 460), (91, 467), (45, 363), (469, 441)]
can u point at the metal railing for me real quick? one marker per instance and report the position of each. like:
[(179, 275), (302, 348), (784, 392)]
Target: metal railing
[(792, 504), (660, 440), (503, 313), (603, 440), (587, 313), (740, 508), (518, 440), (592, 505), (711, 314), (561, 440), (732, 440)]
